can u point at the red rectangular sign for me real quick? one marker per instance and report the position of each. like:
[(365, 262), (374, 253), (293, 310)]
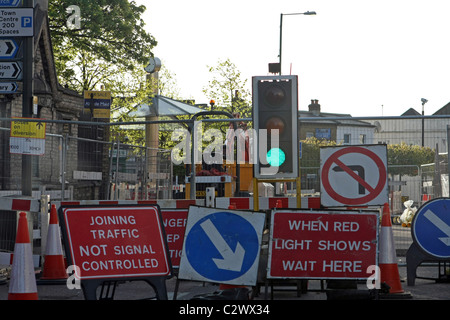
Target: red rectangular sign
[(115, 242), (322, 244), (174, 221)]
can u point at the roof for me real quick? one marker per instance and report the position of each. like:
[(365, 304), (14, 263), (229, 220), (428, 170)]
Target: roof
[(322, 118), (411, 112), (163, 106)]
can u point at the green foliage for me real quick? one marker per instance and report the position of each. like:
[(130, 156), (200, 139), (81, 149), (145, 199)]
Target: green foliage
[(110, 30), (311, 151), (223, 86), (405, 155)]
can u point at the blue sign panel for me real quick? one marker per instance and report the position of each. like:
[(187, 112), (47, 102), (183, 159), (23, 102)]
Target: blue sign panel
[(10, 3), (431, 227), (221, 246)]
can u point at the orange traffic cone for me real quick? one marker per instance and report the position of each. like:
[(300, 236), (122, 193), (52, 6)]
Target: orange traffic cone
[(54, 266), (23, 280), (387, 256)]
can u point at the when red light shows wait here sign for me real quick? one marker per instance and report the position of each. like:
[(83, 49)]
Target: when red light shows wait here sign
[(322, 244), (115, 242)]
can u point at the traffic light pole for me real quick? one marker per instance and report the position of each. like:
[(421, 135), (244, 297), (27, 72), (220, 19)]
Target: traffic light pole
[(27, 101)]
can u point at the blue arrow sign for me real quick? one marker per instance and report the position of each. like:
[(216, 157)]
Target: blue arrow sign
[(10, 3), (431, 227), (222, 246)]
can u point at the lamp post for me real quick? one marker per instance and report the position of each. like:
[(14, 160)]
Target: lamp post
[(307, 13), (423, 120)]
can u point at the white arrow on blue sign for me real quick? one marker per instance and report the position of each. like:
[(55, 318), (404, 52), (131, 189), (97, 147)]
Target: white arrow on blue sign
[(10, 3), (222, 246), (8, 87), (8, 48), (431, 227)]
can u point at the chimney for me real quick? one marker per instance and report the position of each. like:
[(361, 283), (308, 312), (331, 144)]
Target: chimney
[(314, 107)]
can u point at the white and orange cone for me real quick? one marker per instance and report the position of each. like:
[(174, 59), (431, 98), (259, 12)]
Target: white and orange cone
[(54, 266), (387, 256), (22, 285)]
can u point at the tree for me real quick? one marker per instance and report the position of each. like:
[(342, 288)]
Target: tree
[(406, 155), (111, 33), (228, 90)]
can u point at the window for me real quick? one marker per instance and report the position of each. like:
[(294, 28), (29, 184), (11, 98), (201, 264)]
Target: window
[(347, 138), (362, 138)]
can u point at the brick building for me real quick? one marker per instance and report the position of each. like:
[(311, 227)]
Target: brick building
[(62, 146)]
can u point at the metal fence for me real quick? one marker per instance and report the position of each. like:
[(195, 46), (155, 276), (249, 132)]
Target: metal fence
[(77, 168), (83, 162)]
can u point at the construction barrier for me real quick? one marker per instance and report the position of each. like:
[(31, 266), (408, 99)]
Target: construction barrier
[(266, 203), (169, 203), (19, 204)]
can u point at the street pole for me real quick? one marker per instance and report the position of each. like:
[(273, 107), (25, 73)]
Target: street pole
[(27, 101), (307, 13), (281, 39)]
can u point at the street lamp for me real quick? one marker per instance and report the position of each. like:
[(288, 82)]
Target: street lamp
[(423, 120), (307, 13)]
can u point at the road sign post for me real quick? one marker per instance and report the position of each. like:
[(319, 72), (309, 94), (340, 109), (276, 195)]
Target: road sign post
[(222, 246), (18, 22)]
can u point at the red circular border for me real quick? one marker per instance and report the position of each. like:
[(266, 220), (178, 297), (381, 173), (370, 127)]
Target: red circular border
[(357, 201)]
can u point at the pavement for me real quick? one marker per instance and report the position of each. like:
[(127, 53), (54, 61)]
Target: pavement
[(426, 288)]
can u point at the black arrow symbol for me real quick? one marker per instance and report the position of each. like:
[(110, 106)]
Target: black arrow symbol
[(10, 47), (361, 173), (39, 125), (16, 70)]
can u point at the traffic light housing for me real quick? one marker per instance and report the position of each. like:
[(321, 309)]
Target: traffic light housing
[(275, 106)]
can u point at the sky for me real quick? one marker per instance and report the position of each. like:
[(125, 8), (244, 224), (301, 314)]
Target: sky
[(357, 57)]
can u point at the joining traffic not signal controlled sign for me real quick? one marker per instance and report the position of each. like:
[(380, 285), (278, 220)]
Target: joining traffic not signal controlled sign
[(275, 116)]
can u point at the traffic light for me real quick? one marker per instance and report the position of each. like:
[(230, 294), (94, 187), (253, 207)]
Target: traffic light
[(275, 105)]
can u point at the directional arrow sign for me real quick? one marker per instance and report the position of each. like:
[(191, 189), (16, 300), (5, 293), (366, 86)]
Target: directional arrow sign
[(441, 225), (11, 70), (230, 260), (8, 48), (430, 228), (221, 246), (8, 87), (10, 3)]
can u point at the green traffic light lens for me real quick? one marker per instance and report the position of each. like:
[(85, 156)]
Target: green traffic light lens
[(276, 157)]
